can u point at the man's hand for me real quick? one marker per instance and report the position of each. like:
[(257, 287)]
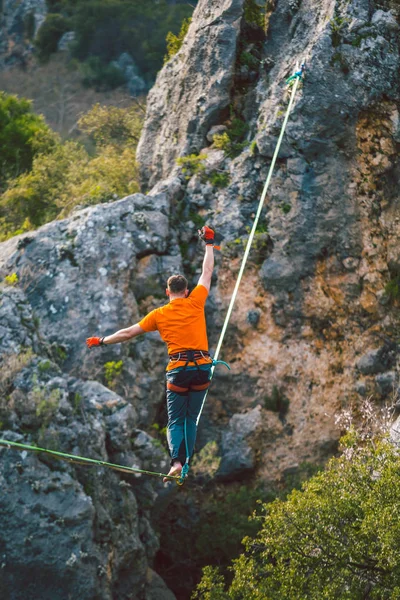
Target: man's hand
[(94, 341), (207, 234)]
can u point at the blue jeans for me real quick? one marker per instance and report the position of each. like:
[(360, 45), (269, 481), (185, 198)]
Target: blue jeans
[(184, 402)]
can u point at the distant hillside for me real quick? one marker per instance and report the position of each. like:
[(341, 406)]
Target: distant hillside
[(110, 41)]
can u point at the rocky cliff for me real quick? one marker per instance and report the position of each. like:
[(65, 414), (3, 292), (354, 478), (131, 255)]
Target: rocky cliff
[(315, 326)]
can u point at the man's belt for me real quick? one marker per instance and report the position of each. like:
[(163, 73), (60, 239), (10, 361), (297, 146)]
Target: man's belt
[(189, 356)]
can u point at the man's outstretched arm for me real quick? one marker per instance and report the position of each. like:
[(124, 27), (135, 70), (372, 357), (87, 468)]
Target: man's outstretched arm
[(123, 335), (208, 267)]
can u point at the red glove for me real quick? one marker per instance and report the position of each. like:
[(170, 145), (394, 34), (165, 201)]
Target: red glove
[(207, 234), (94, 341)]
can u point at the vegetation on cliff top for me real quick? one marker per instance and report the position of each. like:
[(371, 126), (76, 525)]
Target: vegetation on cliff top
[(43, 178), (337, 538), (104, 29)]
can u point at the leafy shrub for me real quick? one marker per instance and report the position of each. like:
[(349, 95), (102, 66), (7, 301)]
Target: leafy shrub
[(219, 179), (11, 279), (174, 42), (392, 289), (253, 13), (337, 538), (66, 176), (22, 135), (110, 125), (49, 34), (231, 140), (192, 164), (112, 370)]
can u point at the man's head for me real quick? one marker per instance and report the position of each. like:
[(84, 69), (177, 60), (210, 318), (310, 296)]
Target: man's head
[(177, 286)]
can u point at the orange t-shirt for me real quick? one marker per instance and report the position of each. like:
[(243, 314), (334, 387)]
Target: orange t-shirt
[(181, 324)]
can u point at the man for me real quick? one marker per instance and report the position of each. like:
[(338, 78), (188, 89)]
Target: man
[(181, 324)]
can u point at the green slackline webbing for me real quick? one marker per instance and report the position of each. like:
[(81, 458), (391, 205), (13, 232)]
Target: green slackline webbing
[(297, 76), (81, 460)]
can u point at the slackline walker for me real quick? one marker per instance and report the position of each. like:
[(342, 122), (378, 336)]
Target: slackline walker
[(293, 82)]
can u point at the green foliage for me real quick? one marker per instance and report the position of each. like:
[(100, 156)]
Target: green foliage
[(341, 61), (101, 76), (211, 587), (337, 538), (77, 402), (112, 370), (22, 135), (110, 125), (231, 141), (66, 175), (219, 179), (44, 366), (11, 279), (174, 42), (247, 59), (253, 148), (192, 164), (286, 208), (106, 28), (253, 13), (392, 288), (277, 401), (46, 404), (29, 25), (49, 34), (337, 24), (207, 461)]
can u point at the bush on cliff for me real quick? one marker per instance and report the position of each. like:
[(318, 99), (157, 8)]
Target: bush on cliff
[(66, 175), (337, 538), (22, 135)]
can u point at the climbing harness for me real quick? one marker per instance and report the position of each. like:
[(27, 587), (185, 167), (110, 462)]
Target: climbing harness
[(296, 78), (81, 460)]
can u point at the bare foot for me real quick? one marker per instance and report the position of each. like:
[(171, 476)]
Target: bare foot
[(176, 470)]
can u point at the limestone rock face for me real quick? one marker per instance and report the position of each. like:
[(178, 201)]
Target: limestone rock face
[(68, 530), (85, 275), (324, 267), (13, 19), (192, 91)]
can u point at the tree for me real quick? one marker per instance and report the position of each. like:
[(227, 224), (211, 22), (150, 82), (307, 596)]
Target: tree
[(112, 125), (23, 134), (337, 538)]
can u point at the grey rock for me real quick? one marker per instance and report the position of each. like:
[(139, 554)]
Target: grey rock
[(361, 388), (192, 91), (64, 44), (385, 21), (17, 327), (152, 274), (395, 432), (378, 360), (136, 84), (237, 456), (79, 274), (253, 317), (386, 383)]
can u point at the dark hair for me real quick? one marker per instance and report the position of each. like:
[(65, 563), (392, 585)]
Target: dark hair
[(177, 284)]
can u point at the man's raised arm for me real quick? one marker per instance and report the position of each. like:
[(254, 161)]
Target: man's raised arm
[(207, 235)]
